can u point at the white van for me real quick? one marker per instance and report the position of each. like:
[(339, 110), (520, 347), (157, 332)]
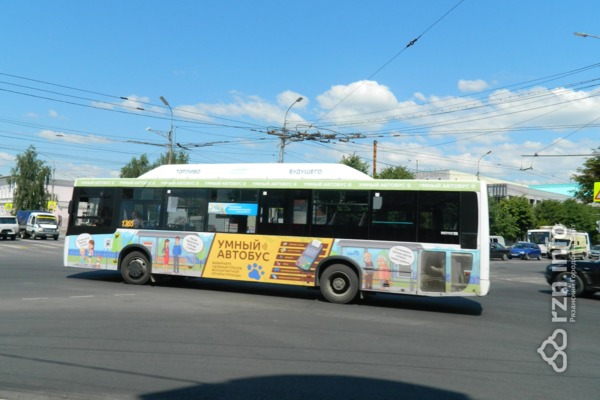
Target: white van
[(9, 227), (497, 239)]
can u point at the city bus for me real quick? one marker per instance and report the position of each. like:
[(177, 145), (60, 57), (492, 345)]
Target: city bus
[(326, 226), (541, 236)]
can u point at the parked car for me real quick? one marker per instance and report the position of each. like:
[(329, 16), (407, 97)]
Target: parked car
[(526, 251), (499, 251), (595, 252), (584, 280)]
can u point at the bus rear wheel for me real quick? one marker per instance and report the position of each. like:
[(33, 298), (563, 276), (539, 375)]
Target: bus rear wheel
[(135, 269), (339, 284)]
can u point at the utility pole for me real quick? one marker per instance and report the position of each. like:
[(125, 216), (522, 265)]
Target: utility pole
[(166, 103), (284, 136), (374, 159)]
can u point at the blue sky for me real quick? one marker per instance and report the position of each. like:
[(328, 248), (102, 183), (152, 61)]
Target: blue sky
[(506, 76)]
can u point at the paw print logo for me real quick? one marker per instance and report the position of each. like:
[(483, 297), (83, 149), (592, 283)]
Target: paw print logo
[(561, 366), (255, 271)]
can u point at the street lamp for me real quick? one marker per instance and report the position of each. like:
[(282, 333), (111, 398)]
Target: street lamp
[(166, 103), (480, 161), (581, 34), (283, 136)]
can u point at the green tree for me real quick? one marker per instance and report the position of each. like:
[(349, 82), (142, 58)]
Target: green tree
[(179, 157), (398, 172), (137, 167), (588, 174), (570, 213), (522, 211), (549, 212), (581, 217), (502, 222), (355, 162), (31, 178)]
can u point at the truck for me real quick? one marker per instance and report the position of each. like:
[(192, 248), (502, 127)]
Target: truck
[(8, 227), (568, 243), (37, 224)]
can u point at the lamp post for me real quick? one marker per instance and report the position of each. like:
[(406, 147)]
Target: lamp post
[(166, 103), (480, 161), (284, 136)]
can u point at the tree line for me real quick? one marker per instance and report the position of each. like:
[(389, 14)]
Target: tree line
[(512, 217)]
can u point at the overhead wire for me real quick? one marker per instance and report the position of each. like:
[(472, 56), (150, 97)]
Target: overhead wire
[(411, 43)]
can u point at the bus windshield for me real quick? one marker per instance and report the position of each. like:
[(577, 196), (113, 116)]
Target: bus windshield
[(542, 237)]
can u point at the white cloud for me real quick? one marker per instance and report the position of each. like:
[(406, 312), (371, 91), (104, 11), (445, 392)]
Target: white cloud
[(441, 132), (472, 85), (287, 98), (250, 106), (53, 114), (6, 157), (356, 98)]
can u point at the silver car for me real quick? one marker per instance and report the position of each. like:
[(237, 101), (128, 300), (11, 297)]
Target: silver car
[(595, 252)]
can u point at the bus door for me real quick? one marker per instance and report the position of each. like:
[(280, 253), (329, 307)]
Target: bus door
[(283, 212)]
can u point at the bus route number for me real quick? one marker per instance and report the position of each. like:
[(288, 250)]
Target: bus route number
[(128, 223)]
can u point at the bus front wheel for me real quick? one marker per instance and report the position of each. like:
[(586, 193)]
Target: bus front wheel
[(339, 284), (135, 269)]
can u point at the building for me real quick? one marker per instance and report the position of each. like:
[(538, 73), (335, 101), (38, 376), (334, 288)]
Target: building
[(60, 190), (500, 189)]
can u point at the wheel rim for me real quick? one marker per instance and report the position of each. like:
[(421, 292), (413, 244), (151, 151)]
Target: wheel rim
[(136, 268), (339, 283)]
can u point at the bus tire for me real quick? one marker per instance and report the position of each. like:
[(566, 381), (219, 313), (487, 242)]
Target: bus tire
[(339, 284), (135, 269)]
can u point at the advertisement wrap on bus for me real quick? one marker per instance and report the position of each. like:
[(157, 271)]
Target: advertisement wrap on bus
[(343, 236), (385, 266)]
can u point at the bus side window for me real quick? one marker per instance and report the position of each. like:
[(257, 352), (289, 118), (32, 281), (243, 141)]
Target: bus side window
[(283, 212), (394, 216), (339, 213)]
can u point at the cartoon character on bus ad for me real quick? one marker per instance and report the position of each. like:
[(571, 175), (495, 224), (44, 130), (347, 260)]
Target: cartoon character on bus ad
[(171, 253)]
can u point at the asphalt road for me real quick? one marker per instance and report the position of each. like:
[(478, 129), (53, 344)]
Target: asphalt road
[(79, 334)]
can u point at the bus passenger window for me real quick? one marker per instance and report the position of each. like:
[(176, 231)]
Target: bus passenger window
[(433, 271), (460, 271), (320, 217)]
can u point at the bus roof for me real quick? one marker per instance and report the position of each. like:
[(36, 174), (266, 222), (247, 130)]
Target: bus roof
[(264, 176), (255, 171)]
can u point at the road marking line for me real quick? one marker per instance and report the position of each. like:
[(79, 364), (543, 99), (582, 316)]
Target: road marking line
[(125, 294), (81, 297), (34, 298)]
